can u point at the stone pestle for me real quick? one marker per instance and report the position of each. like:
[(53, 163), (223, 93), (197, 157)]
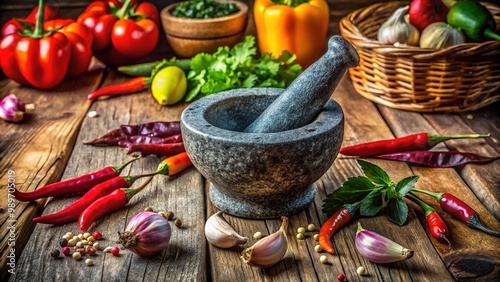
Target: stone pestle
[(300, 103)]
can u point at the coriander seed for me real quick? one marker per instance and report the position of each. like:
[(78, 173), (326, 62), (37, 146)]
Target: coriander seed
[(90, 238), (71, 243), (311, 227), (300, 236), (318, 248), (316, 237), (86, 235), (361, 271), (169, 215), (77, 255), (323, 259), (178, 223), (257, 235), (301, 230), (89, 262)]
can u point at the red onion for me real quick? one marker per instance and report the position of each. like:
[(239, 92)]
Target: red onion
[(147, 234), (13, 109)]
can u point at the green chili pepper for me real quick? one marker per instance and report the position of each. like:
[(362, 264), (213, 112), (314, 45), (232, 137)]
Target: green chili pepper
[(145, 69), (473, 19)]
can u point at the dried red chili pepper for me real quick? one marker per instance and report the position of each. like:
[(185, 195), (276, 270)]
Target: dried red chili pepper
[(419, 141), (460, 210), (71, 212), (134, 85), (436, 158), (164, 150), (111, 202), (437, 226), (128, 141), (74, 185), (334, 223)]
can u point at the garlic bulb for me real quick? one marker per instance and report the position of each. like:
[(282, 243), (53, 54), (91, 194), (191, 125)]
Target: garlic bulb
[(377, 248), (441, 35), (220, 234), (269, 250), (396, 29), (13, 109), (146, 234)]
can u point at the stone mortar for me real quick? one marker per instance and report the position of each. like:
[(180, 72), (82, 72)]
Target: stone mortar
[(258, 175)]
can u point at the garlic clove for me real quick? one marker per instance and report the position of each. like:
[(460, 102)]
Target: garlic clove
[(379, 249), (220, 234), (397, 29), (269, 250)]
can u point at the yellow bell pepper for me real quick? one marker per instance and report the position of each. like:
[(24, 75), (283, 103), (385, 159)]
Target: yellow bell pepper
[(299, 26)]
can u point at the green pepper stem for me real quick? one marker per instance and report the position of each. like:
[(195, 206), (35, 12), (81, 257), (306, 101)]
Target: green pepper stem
[(123, 11), (119, 168), (436, 195), (38, 33), (434, 139), (427, 209), (491, 34), (130, 192)]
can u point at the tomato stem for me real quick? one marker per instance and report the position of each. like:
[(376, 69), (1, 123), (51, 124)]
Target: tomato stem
[(123, 11)]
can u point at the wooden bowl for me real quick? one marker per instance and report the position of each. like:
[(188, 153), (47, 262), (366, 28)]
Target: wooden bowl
[(188, 37)]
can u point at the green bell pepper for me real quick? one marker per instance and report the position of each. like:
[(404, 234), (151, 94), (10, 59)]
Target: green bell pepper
[(473, 19)]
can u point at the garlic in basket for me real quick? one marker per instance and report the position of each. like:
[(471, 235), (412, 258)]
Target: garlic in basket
[(379, 249), (441, 35), (220, 234), (146, 234), (396, 29)]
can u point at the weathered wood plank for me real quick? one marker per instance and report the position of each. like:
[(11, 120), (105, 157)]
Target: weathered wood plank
[(182, 194), (37, 150)]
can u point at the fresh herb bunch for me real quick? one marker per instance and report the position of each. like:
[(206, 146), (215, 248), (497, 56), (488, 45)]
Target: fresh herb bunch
[(204, 9), (239, 68), (373, 192)]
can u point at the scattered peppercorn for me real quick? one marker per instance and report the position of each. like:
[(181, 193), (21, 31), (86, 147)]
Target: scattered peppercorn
[(96, 245), (66, 250), (107, 249), (79, 244), (81, 251), (115, 251), (71, 243), (169, 215), (178, 223), (360, 271), (300, 236), (89, 262), (55, 253), (97, 235), (311, 227), (63, 242), (318, 248), (341, 277), (148, 209), (323, 259), (257, 235), (86, 235), (77, 255), (301, 230), (316, 237)]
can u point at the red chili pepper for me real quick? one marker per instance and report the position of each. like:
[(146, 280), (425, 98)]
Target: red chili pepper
[(419, 141), (13, 25), (334, 223), (460, 210), (111, 202), (436, 158), (134, 85), (437, 226), (164, 150), (74, 185), (71, 212), (124, 35), (175, 164)]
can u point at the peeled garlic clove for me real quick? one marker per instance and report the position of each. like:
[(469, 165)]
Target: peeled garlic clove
[(269, 250), (379, 249), (220, 234)]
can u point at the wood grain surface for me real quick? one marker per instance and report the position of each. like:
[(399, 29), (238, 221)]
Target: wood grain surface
[(49, 147)]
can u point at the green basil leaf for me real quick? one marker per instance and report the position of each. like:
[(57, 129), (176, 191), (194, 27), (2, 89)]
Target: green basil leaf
[(371, 204), (390, 192), (353, 190), (397, 211), (375, 173), (405, 185)]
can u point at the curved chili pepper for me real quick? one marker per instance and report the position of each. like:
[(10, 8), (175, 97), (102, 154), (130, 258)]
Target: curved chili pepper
[(459, 210), (111, 202), (164, 150), (156, 129), (128, 87), (71, 212), (175, 164), (436, 158), (437, 226), (74, 185), (334, 223), (127, 142), (419, 141)]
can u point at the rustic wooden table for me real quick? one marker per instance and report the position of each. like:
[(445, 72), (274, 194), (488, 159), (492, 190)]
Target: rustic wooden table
[(48, 147)]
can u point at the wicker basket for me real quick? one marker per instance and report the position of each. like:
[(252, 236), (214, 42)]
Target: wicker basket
[(460, 78)]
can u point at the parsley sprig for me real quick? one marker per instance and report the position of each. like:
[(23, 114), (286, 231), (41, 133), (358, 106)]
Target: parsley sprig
[(375, 191), (239, 67)]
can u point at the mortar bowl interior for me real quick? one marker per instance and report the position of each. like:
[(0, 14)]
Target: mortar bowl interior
[(258, 175)]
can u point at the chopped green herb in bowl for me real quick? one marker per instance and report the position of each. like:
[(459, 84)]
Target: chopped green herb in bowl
[(204, 9)]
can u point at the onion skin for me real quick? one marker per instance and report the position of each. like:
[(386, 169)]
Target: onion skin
[(379, 249), (147, 234)]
